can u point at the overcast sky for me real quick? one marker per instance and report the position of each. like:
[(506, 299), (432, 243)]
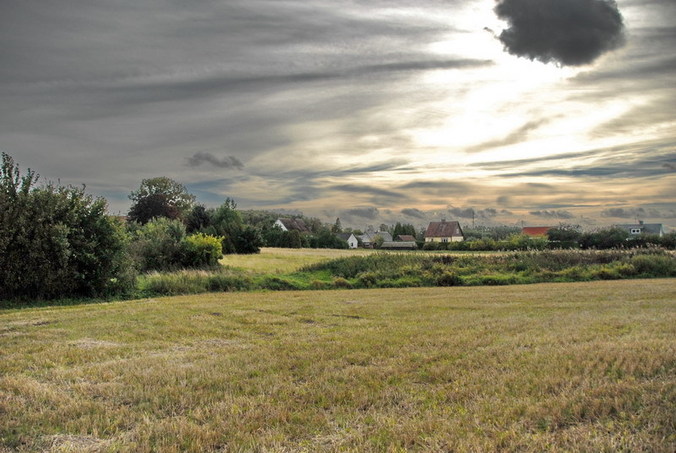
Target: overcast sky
[(533, 111)]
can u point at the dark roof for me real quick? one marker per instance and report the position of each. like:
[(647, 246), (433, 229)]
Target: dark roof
[(405, 238), (295, 224), (646, 228), (535, 231), (344, 236), (370, 236), (444, 229)]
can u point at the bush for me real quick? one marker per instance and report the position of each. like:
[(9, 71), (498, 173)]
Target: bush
[(158, 245), (57, 241), (201, 250), (448, 279), (654, 265), (341, 283)]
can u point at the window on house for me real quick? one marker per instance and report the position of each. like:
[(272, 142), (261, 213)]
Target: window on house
[(635, 231), (444, 239)]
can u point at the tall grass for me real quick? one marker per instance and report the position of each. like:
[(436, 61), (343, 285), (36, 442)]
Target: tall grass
[(399, 270)]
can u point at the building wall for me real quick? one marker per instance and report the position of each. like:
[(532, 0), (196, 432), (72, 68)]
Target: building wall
[(352, 242), (446, 239)]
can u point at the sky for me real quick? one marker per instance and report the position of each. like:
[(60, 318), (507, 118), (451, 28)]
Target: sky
[(516, 112)]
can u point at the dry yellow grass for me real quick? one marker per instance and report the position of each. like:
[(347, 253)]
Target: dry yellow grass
[(551, 367), (281, 260)]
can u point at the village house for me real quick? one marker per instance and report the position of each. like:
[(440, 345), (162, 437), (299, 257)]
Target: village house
[(350, 238), (292, 224), (444, 232), (637, 229), (536, 232), (369, 238), (405, 238)]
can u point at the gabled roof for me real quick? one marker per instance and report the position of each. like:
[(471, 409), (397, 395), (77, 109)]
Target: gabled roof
[(345, 236), (295, 224), (405, 238), (444, 229), (370, 236), (535, 231), (646, 228)]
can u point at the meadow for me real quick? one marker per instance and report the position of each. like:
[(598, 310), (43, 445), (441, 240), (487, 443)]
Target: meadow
[(313, 269), (544, 367)]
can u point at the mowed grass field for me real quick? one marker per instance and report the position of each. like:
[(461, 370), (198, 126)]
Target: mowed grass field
[(283, 260), (545, 367)]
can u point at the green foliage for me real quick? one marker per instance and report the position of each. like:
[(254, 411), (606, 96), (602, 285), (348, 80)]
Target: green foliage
[(325, 239), (604, 239), (160, 197), (57, 241), (201, 250), (405, 229), (157, 245), (198, 219), (565, 233)]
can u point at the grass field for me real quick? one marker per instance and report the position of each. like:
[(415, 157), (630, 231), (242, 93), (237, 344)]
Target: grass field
[(282, 260), (546, 367)]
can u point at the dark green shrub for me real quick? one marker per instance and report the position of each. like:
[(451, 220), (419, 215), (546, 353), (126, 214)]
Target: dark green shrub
[(220, 282), (341, 283), (57, 241), (274, 283), (654, 265), (158, 245), (448, 278)]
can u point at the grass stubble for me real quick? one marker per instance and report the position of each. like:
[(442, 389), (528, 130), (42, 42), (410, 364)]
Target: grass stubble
[(545, 367)]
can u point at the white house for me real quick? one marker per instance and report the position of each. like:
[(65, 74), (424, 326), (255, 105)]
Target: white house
[(350, 238), (636, 229)]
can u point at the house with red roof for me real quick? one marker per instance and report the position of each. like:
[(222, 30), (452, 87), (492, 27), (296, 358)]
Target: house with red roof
[(536, 232)]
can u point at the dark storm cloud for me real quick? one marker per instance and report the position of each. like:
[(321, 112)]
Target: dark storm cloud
[(370, 213), (204, 157), (639, 212), (553, 214), (473, 213), (569, 32), (413, 212)]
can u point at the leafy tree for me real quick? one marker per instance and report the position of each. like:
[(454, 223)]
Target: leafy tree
[(57, 241), (337, 227), (226, 222), (249, 240), (565, 233), (403, 229), (160, 197), (156, 246), (198, 219), (604, 239)]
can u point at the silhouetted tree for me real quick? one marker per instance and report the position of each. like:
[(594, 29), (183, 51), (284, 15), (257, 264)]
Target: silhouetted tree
[(160, 197)]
